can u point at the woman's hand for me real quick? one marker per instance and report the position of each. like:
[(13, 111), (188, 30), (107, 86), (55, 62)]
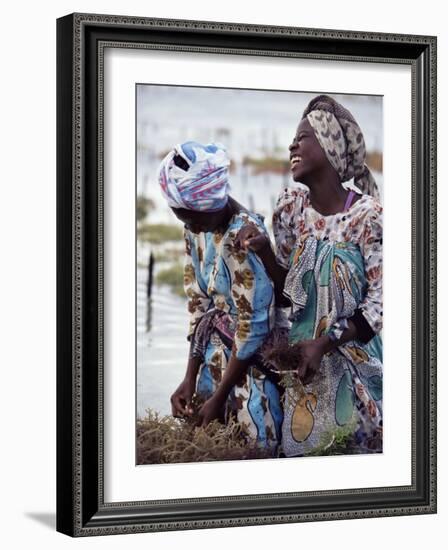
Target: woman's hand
[(250, 238), (181, 398), (213, 408), (311, 352)]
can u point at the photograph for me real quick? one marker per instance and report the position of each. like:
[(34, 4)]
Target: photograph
[(246, 274), (259, 274), (228, 216)]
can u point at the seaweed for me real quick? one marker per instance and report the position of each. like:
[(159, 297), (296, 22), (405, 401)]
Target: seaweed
[(167, 440)]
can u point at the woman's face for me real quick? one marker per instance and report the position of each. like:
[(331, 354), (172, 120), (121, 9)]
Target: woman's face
[(199, 222), (306, 155)]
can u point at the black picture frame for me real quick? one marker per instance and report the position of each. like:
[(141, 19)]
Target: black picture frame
[(81, 510)]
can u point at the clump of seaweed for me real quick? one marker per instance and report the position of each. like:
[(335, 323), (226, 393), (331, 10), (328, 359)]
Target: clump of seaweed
[(168, 440), (284, 358), (279, 354)]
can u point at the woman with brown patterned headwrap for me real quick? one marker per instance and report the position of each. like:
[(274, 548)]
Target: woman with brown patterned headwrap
[(328, 266), (342, 141)]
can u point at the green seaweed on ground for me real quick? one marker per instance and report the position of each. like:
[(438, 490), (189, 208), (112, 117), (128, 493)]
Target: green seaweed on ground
[(340, 441)]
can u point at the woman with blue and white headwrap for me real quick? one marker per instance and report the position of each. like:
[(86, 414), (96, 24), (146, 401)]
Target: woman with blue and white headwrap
[(230, 297)]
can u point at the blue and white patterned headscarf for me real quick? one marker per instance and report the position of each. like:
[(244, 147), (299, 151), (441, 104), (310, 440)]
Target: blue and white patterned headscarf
[(204, 186)]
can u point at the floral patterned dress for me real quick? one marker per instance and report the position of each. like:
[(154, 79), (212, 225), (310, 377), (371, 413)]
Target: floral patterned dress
[(334, 274), (231, 303)]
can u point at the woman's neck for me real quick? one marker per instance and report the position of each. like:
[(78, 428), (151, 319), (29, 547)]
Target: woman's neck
[(327, 196), (231, 208)]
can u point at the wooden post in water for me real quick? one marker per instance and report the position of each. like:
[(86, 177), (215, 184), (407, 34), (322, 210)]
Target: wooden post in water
[(150, 274)]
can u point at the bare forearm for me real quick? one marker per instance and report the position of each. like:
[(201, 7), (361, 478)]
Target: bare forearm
[(274, 270), (348, 334), (312, 351), (193, 367)]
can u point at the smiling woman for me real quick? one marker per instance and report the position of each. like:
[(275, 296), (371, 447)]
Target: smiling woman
[(328, 264)]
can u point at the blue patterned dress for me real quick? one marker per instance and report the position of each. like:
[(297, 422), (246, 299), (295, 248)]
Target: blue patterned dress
[(231, 303)]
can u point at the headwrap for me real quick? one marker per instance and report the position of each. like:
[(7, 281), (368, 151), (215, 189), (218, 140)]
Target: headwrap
[(342, 141), (204, 187)]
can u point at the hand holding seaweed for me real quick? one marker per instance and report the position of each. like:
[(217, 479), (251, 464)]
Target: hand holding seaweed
[(181, 400), (301, 359), (310, 355), (211, 410)]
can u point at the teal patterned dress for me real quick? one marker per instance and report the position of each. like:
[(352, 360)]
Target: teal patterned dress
[(335, 274)]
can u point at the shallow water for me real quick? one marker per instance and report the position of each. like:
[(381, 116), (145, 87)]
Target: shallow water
[(162, 347)]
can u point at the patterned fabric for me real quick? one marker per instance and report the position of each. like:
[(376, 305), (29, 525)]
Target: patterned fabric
[(342, 140), (294, 220), (219, 274), (334, 268), (255, 400), (231, 304), (326, 282), (204, 186)]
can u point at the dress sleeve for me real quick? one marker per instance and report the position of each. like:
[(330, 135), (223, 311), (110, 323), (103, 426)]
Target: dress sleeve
[(283, 225), (198, 300), (371, 245), (253, 295)]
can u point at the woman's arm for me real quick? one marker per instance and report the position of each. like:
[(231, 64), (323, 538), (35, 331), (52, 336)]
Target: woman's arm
[(289, 205), (181, 398), (312, 351), (250, 238), (252, 293), (212, 408), (367, 318), (371, 245), (366, 321), (276, 272)]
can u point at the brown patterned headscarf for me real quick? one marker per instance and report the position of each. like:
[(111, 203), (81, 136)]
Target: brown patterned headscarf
[(342, 141)]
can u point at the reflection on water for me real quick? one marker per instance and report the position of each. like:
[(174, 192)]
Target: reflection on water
[(162, 347)]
